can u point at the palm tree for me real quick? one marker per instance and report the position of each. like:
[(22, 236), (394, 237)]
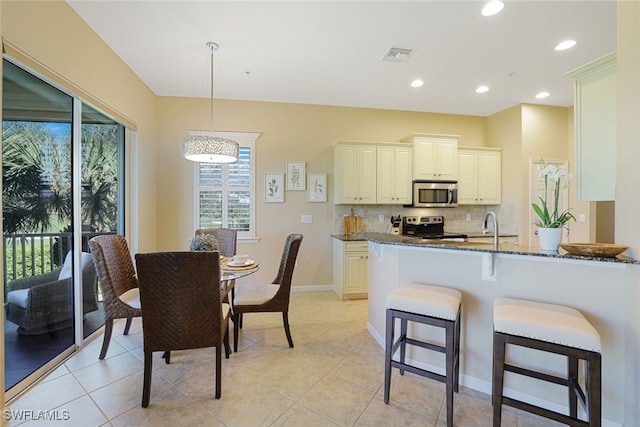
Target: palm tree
[(30, 197)]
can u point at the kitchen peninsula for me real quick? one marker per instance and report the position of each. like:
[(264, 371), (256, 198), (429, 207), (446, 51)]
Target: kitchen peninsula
[(598, 287)]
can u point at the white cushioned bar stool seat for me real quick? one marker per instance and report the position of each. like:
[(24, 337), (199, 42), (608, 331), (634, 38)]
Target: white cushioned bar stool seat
[(430, 305), (552, 328)]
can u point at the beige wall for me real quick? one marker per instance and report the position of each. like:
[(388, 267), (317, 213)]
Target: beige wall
[(289, 132), (504, 130)]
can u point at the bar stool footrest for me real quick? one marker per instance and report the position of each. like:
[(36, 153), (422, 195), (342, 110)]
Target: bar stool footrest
[(418, 371), (556, 416)]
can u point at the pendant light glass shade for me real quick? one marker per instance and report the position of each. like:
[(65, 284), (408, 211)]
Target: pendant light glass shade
[(209, 148)]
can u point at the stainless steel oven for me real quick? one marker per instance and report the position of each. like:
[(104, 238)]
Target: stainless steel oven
[(435, 194)]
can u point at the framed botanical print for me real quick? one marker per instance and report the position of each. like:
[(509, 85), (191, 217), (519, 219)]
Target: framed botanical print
[(295, 176), (317, 187), (274, 187)]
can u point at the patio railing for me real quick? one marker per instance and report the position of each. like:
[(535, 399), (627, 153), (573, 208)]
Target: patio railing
[(31, 254)]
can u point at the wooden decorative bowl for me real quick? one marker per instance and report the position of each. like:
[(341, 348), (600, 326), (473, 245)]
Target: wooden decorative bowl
[(594, 249)]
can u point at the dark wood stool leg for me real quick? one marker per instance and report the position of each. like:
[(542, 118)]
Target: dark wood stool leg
[(403, 337), (498, 377), (387, 354), (449, 370), (108, 330), (594, 388), (572, 375), (456, 380)]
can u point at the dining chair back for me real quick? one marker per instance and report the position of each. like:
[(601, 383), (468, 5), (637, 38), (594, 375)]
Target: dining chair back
[(226, 237), (181, 306), (274, 297), (118, 282)]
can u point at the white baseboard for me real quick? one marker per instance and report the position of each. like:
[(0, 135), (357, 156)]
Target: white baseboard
[(311, 288)]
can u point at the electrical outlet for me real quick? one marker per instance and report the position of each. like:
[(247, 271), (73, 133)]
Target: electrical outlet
[(380, 218), (468, 217), (306, 219), (582, 218)]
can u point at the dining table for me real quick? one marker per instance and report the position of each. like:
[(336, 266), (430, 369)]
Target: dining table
[(229, 272)]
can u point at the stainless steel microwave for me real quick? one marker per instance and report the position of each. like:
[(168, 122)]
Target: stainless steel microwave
[(435, 194)]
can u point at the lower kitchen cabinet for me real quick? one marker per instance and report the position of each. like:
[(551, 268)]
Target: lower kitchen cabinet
[(350, 263)]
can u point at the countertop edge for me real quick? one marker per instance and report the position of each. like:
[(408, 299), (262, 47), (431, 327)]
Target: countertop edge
[(391, 239)]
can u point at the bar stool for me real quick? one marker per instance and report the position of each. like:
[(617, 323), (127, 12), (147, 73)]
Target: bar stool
[(555, 329), (429, 305)]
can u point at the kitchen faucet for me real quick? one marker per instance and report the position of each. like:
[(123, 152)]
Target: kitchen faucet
[(495, 228)]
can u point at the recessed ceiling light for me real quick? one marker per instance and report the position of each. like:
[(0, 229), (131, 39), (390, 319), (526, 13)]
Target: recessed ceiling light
[(482, 89), (492, 8), (542, 95), (417, 83), (567, 44)]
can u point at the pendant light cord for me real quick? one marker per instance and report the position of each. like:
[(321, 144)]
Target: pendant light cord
[(213, 48)]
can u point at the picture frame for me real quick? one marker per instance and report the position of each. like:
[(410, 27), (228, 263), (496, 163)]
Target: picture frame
[(274, 187), (296, 176), (317, 191)]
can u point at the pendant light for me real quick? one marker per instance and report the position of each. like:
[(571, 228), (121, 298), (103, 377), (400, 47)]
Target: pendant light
[(209, 148)]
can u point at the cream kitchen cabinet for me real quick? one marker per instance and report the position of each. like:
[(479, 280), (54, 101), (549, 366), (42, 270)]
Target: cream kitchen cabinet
[(393, 173), (479, 176), (435, 157), (350, 263), (595, 116), (355, 174)]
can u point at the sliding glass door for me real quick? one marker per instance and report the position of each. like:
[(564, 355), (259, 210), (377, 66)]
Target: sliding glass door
[(62, 166)]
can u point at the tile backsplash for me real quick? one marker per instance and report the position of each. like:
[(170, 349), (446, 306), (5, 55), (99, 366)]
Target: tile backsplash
[(455, 219)]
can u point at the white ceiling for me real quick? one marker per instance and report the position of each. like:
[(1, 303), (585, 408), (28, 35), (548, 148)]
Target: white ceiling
[(329, 53)]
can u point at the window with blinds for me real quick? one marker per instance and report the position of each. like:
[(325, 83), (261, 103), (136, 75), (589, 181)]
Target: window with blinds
[(226, 196)]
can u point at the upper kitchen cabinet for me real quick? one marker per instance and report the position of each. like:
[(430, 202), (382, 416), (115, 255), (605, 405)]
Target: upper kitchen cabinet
[(355, 173), (394, 175), (435, 157), (479, 176), (595, 128)]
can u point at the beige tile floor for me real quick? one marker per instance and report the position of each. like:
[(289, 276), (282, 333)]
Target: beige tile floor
[(333, 377)]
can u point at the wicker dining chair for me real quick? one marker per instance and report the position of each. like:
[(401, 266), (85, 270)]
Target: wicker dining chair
[(182, 308), (118, 282), (272, 298), (226, 237)]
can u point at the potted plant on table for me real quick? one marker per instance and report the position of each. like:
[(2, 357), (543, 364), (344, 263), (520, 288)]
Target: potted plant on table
[(550, 221), (203, 242)]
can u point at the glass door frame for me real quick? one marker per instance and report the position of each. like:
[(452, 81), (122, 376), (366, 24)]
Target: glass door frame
[(76, 146)]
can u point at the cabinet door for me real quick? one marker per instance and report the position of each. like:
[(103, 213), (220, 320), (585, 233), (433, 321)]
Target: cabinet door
[(447, 167), (366, 175), (394, 174), (467, 177), (424, 158), (346, 168), (402, 174), (489, 178), (595, 116), (355, 272), (385, 175)]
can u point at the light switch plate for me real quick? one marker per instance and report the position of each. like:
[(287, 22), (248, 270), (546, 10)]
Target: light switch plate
[(380, 218), (306, 219)]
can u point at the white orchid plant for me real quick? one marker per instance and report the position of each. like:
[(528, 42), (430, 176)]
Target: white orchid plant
[(552, 218)]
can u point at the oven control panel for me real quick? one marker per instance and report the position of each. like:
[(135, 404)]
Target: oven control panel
[(418, 220)]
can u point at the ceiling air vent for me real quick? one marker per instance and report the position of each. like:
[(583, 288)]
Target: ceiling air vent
[(398, 54)]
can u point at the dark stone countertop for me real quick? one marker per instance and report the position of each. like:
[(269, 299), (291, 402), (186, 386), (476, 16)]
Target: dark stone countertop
[(504, 248), (348, 237)]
